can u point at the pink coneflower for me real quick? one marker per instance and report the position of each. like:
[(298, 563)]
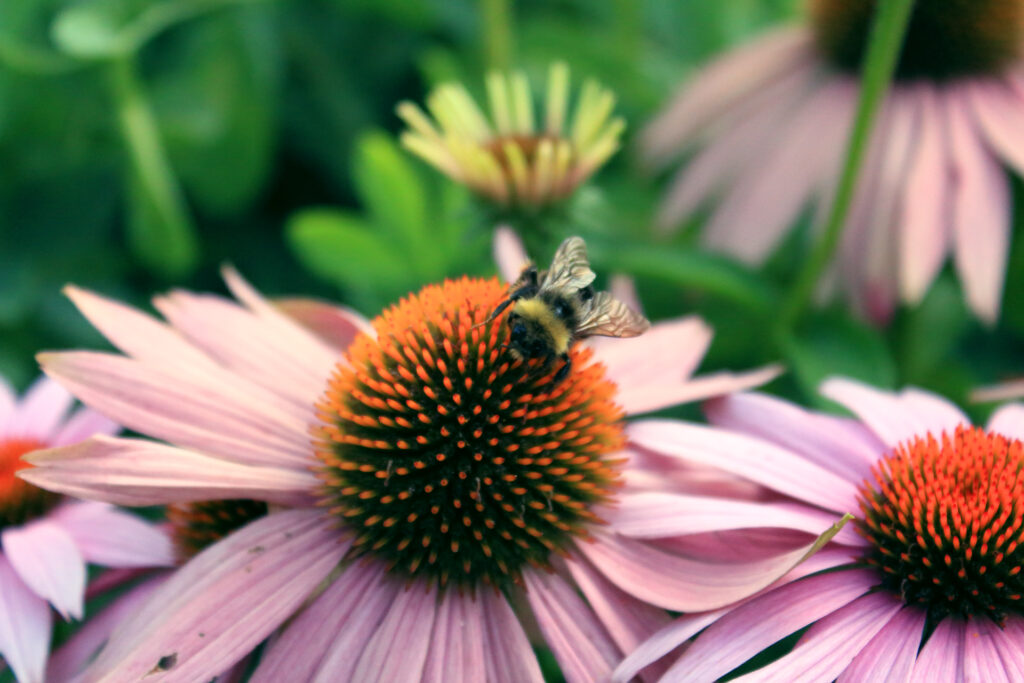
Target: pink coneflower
[(929, 588), (769, 124), (45, 541), (420, 483)]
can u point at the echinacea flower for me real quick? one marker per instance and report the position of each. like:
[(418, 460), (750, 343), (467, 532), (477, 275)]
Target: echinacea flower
[(509, 157), (768, 124), (45, 540), (420, 481), (931, 585)]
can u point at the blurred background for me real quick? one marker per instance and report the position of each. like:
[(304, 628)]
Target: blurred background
[(143, 144)]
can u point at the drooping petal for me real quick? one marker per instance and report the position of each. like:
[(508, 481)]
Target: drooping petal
[(83, 424), (397, 651), (981, 212), (192, 409), (224, 601), (324, 641), (338, 326), (998, 110), (925, 228), (681, 583), (49, 562), (658, 515), (576, 637), (1009, 648), (830, 644), (745, 631), (677, 344), (628, 621), (457, 648), (641, 399), (895, 418), (1008, 421), (509, 253), (1014, 389), (942, 657), (113, 538), (508, 656), (717, 88), (25, 624), (890, 655), (982, 661), (137, 472), (749, 457), (40, 411), (843, 447), (664, 641), (76, 652)]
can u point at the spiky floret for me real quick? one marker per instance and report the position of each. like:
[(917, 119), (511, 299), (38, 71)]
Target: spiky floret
[(452, 460), (19, 500), (195, 526), (945, 39), (944, 515)]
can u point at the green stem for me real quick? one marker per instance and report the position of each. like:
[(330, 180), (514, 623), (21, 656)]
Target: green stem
[(887, 31), (497, 25)]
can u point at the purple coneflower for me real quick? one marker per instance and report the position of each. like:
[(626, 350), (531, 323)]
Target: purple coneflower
[(928, 588), (420, 483), (45, 540), (770, 120)]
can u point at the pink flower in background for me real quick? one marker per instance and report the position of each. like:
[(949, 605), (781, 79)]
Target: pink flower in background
[(461, 479), (929, 588), (45, 541), (767, 125)]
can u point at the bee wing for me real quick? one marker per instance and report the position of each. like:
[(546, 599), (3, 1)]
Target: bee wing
[(609, 317), (570, 269)]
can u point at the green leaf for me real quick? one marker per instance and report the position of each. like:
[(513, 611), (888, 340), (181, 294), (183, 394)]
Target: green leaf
[(929, 334), (835, 344), (344, 249)]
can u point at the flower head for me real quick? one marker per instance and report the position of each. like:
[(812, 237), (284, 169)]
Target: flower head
[(509, 157), (45, 541), (930, 585), (443, 478), (769, 123)]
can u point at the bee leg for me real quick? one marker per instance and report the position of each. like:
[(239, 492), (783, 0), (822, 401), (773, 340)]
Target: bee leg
[(564, 370)]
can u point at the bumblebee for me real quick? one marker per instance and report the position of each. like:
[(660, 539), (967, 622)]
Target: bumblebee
[(554, 308)]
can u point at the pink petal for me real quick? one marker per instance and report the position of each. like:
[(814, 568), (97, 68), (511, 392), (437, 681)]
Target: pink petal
[(845, 448), (749, 457), (657, 515), (76, 652), (25, 624), (623, 288), (8, 401), (981, 213), (191, 409), (664, 641), (397, 651), (744, 631), (509, 253), (769, 195), (40, 411), (681, 583), (245, 343), (746, 132), (576, 637), (720, 85), (1010, 650), (324, 641), (83, 424), (226, 600), (337, 326), (982, 660), (112, 538), (925, 227), (648, 471), (457, 648), (895, 418), (891, 653), (641, 399), (942, 657), (829, 645), (1008, 421), (637, 362), (629, 621), (998, 110), (1001, 392), (508, 656), (318, 357), (140, 472), (48, 561)]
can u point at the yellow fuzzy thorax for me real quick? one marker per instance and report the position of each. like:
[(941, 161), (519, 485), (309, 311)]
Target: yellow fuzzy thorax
[(540, 313)]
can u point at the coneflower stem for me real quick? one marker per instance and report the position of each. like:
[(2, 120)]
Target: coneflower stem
[(887, 31), (496, 16)]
